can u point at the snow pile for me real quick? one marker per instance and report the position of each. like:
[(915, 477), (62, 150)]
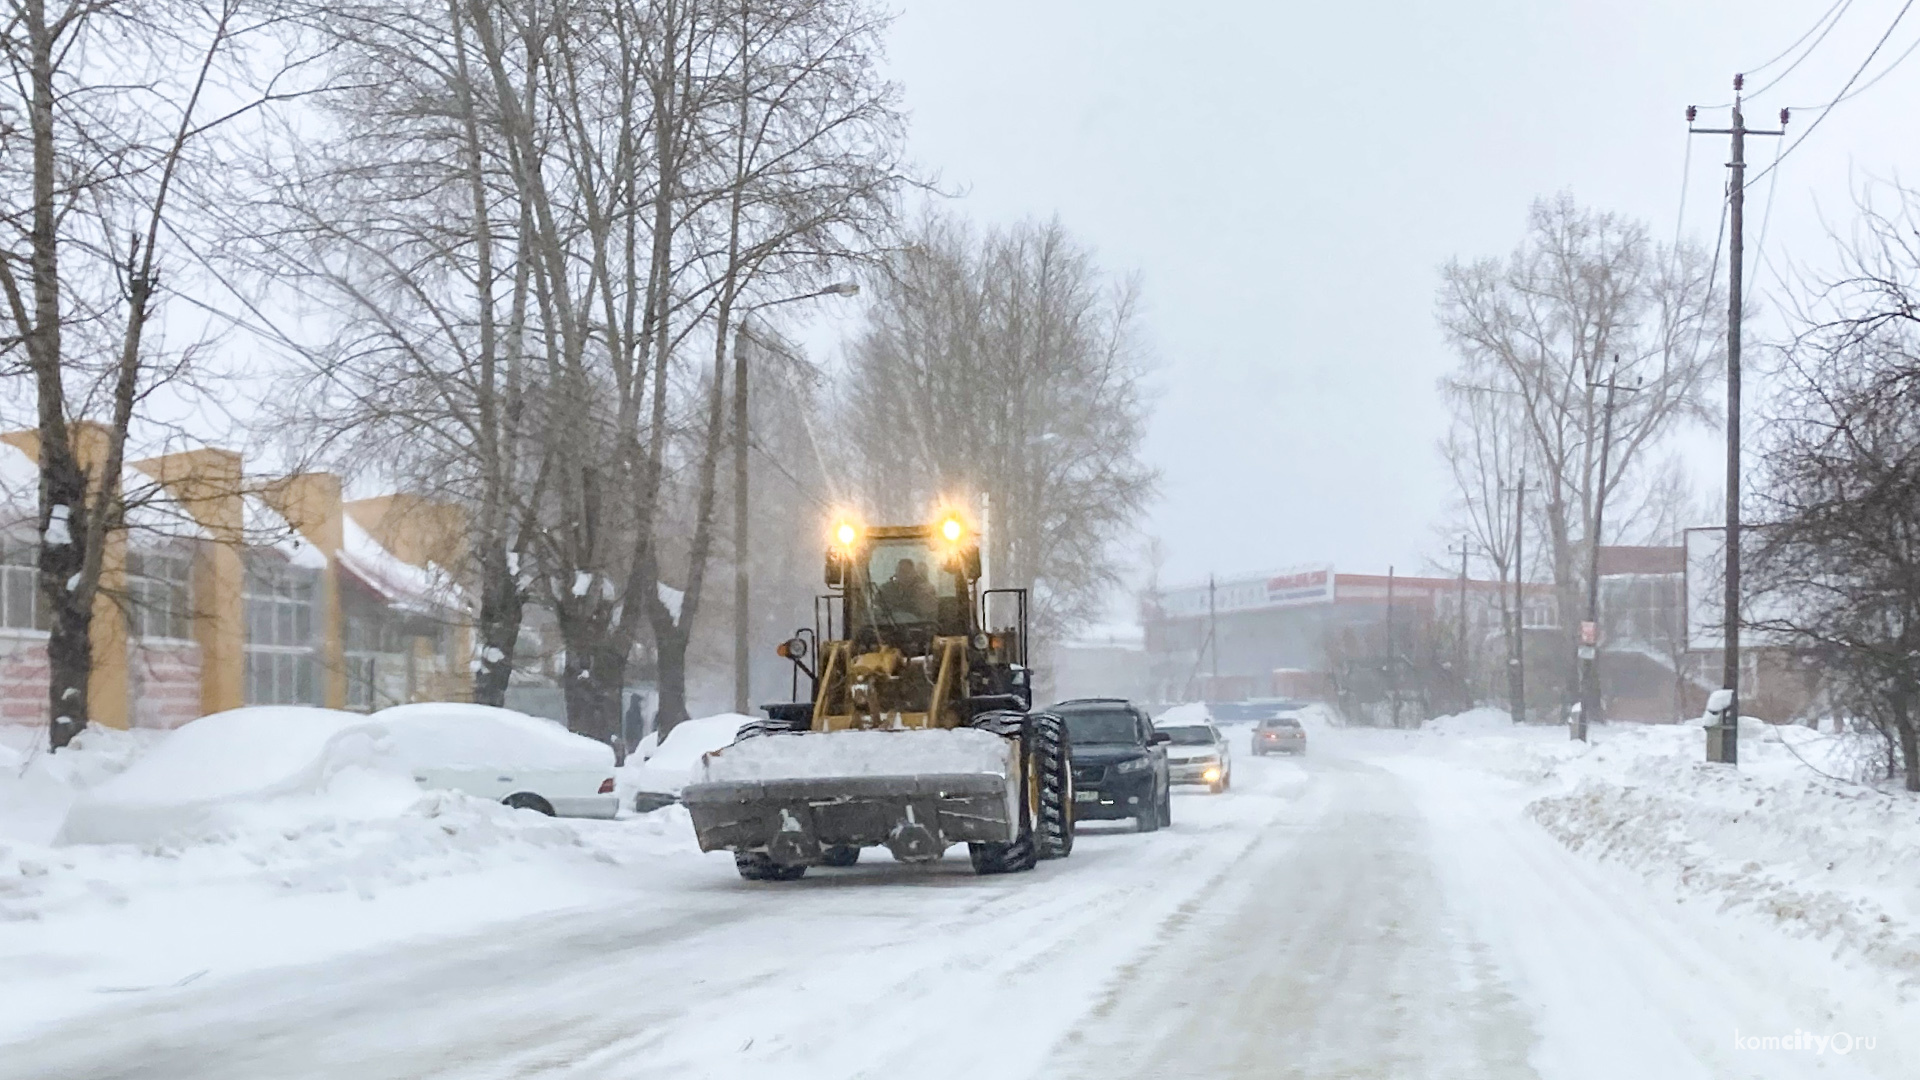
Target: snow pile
[(1193, 712), (1822, 858), (673, 764), (861, 753), (1481, 721), (38, 787), (215, 775)]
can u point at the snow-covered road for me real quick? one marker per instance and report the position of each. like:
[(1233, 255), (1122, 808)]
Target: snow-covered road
[(1360, 913)]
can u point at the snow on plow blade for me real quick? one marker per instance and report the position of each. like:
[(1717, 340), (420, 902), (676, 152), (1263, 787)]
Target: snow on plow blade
[(913, 792)]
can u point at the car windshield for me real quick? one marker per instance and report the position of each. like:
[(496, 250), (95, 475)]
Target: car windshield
[(1096, 726), (1190, 735), (1280, 722)]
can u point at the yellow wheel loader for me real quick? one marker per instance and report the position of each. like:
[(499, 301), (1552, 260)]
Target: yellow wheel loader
[(917, 735)]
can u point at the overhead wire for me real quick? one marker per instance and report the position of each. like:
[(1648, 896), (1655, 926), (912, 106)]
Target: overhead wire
[(1766, 216), (1842, 95), (1837, 4), (1831, 19)]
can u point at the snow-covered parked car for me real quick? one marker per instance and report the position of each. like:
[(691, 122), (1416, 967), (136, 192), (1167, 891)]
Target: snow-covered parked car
[(675, 762), (239, 769), (523, 761)]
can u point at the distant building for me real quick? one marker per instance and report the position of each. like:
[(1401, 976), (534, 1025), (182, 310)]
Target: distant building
[(1272, 630), (225, 590)]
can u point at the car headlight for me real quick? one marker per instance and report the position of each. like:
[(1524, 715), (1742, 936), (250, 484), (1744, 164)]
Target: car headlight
[(1133, 765)]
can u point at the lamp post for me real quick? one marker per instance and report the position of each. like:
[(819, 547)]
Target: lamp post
[(741, 657)]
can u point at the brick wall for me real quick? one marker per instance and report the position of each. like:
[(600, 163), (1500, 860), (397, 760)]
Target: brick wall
[(165, 683), (23, 679)]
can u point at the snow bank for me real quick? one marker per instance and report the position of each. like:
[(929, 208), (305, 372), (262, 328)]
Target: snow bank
[(1193, 712), (1820, 858), (280, 767), (861, 753), (674, 763), (1479, 721), (205, 777), (37, 787)]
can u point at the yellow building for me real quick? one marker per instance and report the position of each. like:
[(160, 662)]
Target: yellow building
[(226, 590)]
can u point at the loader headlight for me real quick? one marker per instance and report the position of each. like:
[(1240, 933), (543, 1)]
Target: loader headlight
[(951, 529), (846, 533), (1132, 765)]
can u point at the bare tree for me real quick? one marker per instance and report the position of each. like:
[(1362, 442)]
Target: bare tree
[(1546, 325), (1485, 450), (1006, 364), (107, 127), (1837, 570)]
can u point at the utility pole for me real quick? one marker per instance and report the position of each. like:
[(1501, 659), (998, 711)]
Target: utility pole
[(1460, 644), (1726, 750), (1213, 639), (1517, 662), (742, 661), (1393, 669), (1590, 629)]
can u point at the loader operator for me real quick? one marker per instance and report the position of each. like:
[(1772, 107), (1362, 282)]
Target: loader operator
[(908, 595)]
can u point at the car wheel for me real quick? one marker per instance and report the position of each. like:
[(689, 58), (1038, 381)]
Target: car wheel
[(1166, 809), (1226, 782), (527, 800), (1148, 819), (839, 855)]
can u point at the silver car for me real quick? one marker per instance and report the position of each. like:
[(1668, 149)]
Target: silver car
[(1280, 735)]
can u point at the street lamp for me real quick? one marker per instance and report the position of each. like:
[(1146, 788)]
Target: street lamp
[(741, 657)]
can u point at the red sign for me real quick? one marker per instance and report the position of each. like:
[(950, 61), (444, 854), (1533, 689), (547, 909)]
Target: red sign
[(1589, 633)]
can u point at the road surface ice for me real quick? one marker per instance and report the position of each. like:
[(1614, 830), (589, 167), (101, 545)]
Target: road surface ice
[(1367, 911)]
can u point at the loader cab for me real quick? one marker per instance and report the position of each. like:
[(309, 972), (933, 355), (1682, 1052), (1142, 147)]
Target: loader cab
[(902, 588), (909, 636)]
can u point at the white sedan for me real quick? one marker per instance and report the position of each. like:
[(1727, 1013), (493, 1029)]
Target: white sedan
[(1196, 753), (520, 760)]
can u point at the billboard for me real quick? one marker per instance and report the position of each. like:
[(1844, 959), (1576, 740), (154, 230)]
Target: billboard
[(1706, 583), (1284, 589)]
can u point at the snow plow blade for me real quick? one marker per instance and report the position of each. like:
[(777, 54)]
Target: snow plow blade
[(792, 820)]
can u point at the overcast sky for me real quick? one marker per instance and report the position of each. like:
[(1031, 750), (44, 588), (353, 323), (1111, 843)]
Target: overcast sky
[(1286, 178)]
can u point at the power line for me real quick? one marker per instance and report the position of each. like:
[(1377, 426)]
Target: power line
[(1766, 216), (1869, 84), (1841, 96), (1837, 5), (1840, 6)]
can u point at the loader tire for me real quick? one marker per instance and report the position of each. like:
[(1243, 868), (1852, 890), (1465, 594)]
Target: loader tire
[(759, 866), (994, 857), (1053, 757), (839, 855)]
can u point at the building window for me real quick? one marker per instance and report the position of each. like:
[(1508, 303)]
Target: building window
[(21, 607), (160, 594), (280, 662)]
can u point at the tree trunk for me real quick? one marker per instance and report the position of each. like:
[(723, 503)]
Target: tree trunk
[(70, 615), (594, 677), (671, 647), (498, 629)]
